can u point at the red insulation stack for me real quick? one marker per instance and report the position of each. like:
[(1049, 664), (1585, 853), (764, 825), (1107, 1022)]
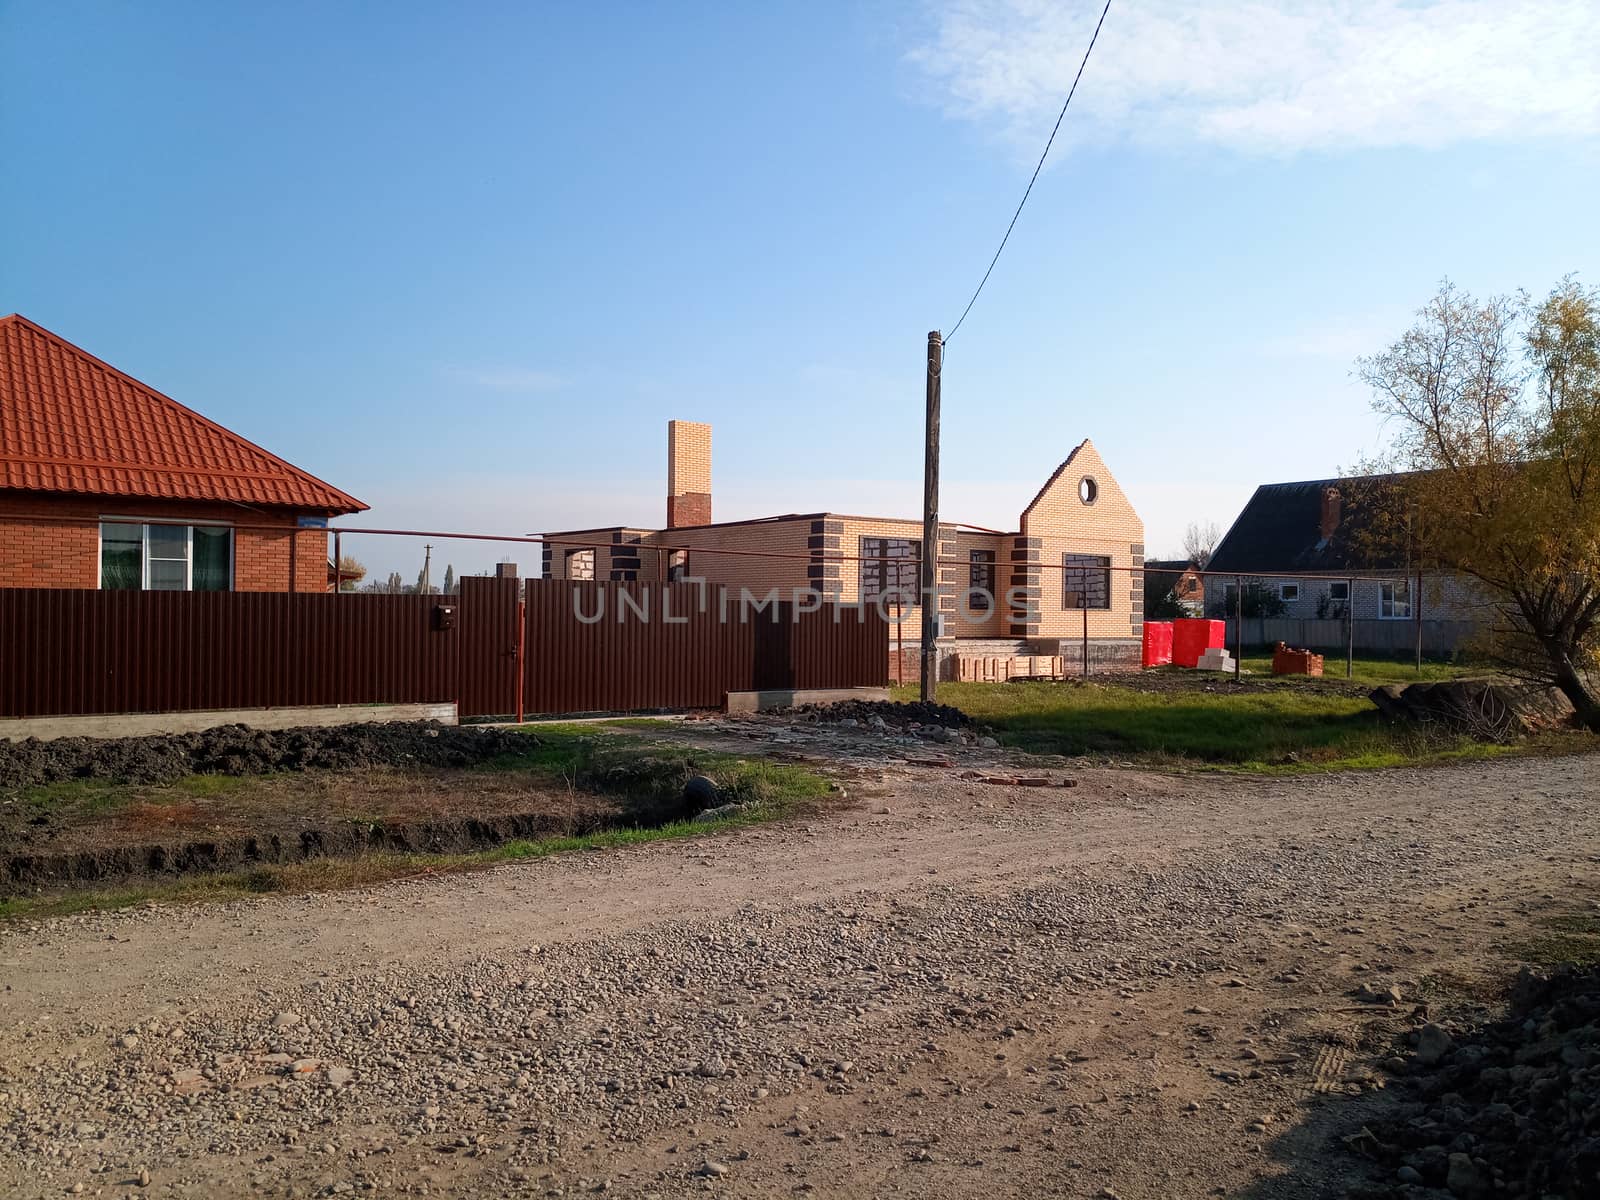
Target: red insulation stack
[(1157, 643), (1192, 637)]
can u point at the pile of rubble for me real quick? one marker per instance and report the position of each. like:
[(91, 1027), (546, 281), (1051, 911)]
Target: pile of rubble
[(884, 714), (1509, 1110)]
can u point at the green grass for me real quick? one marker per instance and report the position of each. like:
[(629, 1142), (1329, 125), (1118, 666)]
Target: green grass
[(1285, 729), (606, 759), (1573, 937), (576, 754), (1368, 672)]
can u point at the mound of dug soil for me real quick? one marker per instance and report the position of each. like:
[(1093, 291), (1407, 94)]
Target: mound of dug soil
[(239, 750), (1510, 1110), (897, 716), (1490, 709)]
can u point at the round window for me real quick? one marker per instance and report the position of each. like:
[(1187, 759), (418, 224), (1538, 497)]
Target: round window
[(1088, 490)]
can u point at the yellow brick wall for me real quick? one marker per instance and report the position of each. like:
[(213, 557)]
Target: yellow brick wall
[(856, 528), (1063, 523), (823, 550), (971, 623), (785, 537), (688, 457)]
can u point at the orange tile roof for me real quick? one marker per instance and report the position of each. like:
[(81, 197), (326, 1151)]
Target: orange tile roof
[(71, 423)]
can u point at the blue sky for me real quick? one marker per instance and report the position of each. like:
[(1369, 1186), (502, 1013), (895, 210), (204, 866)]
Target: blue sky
[(466, 261)]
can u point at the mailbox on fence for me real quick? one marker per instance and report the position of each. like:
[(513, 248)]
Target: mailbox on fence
[(1192, 637), (444, 616), (1157, 644)]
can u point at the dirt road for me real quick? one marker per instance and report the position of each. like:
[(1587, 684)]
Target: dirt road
[(1138, 987)]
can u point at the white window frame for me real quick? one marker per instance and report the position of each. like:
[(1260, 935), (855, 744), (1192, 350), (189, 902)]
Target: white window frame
[(145, 525), (1284, 586), (1386, 599), (1339, 583)]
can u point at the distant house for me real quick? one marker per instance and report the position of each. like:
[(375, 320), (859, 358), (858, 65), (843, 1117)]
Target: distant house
[(1074, 559), (1303, 543), (106, 483), (1178, 577)]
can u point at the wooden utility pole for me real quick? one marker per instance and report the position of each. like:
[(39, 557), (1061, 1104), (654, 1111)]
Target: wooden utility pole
[(930, 523)]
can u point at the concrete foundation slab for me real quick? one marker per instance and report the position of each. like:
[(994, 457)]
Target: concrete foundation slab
[(120, 725), (749, 702)]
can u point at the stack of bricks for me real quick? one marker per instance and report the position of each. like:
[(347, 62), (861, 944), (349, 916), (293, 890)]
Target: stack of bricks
[(990, 669), (1286, 661)]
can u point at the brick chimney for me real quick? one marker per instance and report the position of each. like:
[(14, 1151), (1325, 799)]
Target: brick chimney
[(688, 474), (1330, 513)]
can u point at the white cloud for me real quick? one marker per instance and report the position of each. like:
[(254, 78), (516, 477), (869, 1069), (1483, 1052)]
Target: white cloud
[(1273, 76)]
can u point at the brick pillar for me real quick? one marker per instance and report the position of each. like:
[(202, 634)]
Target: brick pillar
[(688, 474)]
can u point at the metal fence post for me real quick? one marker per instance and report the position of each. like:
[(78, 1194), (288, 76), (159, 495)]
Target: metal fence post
[(1416, 608), (1238, 626), (522, 651), (1350, 629)]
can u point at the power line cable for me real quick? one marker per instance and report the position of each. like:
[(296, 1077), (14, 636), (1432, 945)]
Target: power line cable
[(1036, 171)]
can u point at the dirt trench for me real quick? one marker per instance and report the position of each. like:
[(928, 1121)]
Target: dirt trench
[(121, 863)]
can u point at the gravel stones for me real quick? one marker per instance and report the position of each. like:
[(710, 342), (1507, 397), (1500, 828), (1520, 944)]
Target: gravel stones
[(1511, 1109), (1433, 1043)]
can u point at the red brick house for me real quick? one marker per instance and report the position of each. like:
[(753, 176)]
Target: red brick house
[(107, 483)]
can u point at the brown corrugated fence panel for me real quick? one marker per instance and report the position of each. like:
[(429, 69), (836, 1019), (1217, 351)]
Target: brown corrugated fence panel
[(76, 652), (70, 652), (602, 646)]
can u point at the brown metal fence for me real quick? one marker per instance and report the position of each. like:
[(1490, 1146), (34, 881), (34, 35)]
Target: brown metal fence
[(624, 646), (68, 652), (76, 652)]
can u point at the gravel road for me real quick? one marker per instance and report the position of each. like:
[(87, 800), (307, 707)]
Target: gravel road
[(1139, 987)]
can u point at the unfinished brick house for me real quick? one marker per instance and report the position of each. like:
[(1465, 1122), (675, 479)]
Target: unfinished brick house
[(1073, 561), (106, 483)]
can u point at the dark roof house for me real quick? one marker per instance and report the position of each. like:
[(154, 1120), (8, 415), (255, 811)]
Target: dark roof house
[(1315, 526)]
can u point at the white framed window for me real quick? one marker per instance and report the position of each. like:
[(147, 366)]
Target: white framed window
[(677, 566), (1288, 592), (1339, 590), (1394, 600), (139, 556)]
